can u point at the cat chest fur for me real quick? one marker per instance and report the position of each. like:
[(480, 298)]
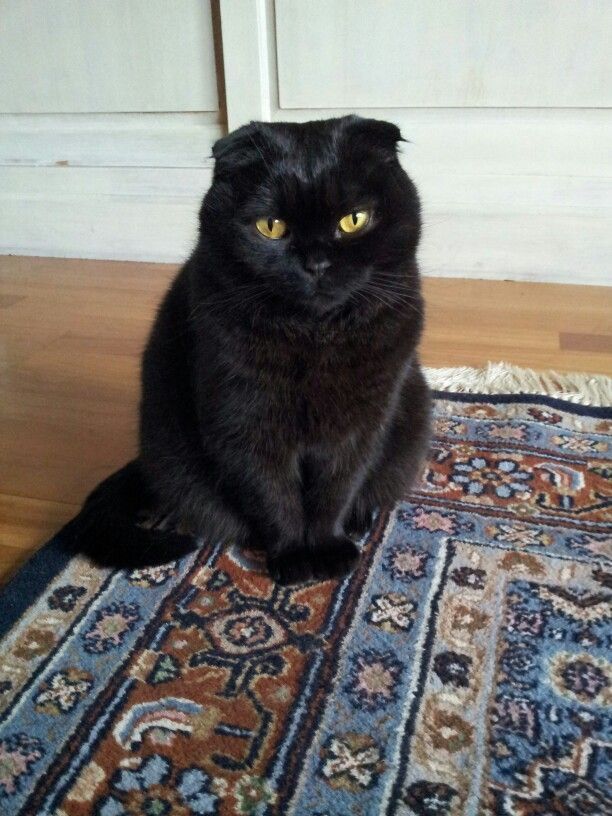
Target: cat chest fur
[(316, 394)]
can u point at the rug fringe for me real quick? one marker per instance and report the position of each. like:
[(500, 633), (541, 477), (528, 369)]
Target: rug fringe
[(504, 378)]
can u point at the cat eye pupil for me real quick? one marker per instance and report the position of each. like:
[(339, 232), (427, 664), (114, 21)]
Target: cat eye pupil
[(271, 227), (354, 221)]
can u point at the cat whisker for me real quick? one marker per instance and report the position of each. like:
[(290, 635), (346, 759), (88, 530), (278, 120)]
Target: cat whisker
[(231, 307), (393, 301), (407, 291), (377, 296), (237, 295)]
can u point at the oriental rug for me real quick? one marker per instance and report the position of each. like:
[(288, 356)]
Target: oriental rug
[(463, 668)]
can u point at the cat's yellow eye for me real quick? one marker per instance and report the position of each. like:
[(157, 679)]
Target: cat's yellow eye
[(354, 222), (272, 228)]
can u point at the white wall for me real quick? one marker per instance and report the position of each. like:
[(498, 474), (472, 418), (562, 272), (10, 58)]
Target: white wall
[(505, 104)]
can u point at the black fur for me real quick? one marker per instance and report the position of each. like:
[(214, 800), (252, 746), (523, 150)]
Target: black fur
[(282, 399)]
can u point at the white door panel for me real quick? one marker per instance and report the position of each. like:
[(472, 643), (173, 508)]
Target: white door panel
[(444, 53), (86, 56)]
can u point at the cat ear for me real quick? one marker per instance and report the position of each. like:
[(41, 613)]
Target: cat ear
[(238, 149), (376, 133)]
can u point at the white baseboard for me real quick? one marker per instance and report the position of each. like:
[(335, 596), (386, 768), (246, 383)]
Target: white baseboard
[(120, 187), (118, 213)]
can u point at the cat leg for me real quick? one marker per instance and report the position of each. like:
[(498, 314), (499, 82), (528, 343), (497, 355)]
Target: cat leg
[(267, 494), (254, 497), (329, 488), (403, 453)]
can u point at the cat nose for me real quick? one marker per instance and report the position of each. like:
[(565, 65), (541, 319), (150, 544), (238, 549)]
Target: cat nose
[(317, 266)]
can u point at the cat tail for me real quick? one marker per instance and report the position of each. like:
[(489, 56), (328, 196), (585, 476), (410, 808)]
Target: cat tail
[(107, 528)]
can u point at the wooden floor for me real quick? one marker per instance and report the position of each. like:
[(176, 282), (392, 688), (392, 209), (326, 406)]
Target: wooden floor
[(71, 333)]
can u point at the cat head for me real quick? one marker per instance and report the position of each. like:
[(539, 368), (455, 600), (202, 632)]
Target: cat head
[(318, 213)]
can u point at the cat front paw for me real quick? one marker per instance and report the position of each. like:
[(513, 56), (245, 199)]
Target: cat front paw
[(334, 557), (291, 566)]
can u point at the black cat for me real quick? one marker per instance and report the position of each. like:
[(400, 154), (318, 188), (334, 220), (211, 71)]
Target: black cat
[(282, 399)]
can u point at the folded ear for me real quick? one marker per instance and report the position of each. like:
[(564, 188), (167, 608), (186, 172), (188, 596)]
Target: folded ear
[(239, 148), (377, 133)]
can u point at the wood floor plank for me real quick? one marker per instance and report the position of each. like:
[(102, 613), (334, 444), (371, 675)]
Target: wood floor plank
[(598, 343), (25, 524)]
